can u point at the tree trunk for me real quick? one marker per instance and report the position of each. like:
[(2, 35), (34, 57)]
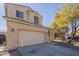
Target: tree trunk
[(73, 31), (72, 35)]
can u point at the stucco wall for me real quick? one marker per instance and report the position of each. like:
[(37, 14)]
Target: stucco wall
[(14, 25), (12, 35), (10, 10)]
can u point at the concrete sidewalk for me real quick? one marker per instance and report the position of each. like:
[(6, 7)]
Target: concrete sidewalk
[(66, 45)]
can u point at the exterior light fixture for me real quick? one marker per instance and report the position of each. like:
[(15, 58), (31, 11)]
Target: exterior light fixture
[(12, 30)]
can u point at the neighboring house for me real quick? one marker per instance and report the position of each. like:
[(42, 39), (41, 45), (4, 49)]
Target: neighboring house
[(77, 32), (1, 32), (25, 27)]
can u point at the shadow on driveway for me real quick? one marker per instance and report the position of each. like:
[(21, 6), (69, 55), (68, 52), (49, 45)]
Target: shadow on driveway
[(14, 52)]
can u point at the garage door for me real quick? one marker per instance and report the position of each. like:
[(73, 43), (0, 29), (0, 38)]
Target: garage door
[(30, 37)]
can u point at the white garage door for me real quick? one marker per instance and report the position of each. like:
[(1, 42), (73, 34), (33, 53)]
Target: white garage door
[(30, 37)]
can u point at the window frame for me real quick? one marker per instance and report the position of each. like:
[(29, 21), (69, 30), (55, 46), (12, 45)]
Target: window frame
[(36, 20), (19, 14)]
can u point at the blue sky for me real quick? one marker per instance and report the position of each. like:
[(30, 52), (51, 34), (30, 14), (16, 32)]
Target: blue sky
[(47, 10), (3, 26)]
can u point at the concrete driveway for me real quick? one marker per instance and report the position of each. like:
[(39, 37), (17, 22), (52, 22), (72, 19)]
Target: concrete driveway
[(48, 49)]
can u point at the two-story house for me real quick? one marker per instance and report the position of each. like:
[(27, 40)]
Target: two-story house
[(24, 27)]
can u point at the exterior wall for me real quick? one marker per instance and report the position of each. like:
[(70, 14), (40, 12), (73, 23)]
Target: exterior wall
[(32, 14), (10, 10), (51, 35), (14, 26), (1, 32)]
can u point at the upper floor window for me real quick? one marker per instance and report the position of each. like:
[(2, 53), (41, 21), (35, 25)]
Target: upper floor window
[(36, 20), (19, 14)]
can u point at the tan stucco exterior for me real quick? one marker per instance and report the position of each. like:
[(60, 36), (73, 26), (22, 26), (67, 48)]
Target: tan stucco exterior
[(12, 36), (29, 14), (15, 25)]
